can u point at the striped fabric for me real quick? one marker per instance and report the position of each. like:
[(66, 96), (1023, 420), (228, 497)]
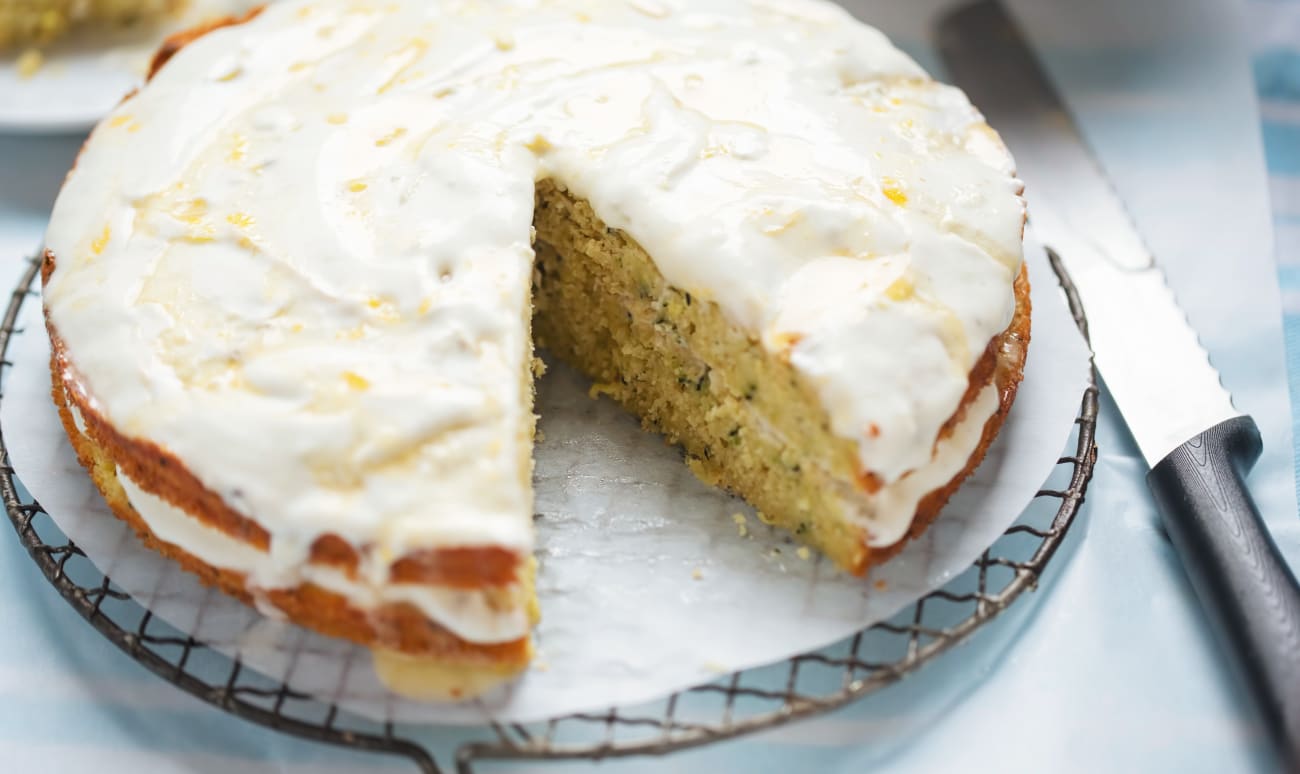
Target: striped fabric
[(1275, 26)]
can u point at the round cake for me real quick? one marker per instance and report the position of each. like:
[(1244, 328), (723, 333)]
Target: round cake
[(293, 288)]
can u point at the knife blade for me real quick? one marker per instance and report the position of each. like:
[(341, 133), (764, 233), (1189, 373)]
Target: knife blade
[(1199, 447)]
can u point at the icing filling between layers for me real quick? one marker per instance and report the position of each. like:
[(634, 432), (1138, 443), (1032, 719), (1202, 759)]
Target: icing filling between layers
[(299, 258), (465, 613)]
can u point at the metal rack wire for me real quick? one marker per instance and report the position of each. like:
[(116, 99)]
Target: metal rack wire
[(737, 704)]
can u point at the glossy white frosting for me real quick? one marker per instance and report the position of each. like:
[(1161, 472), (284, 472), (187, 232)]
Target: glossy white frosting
[(880, 510), (299, 258)]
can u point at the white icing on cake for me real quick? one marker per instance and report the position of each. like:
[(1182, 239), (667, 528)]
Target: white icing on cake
[(299, 258)]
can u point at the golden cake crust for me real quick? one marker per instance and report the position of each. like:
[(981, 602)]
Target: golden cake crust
[(397, 627)]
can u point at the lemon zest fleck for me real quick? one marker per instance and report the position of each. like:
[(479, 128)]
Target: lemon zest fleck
[(98, 244)]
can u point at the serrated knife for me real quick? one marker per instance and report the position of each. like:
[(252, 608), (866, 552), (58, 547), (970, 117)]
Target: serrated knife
[(1199, 447)]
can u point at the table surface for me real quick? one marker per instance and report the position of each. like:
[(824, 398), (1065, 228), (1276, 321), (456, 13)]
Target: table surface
[(1107, 667)]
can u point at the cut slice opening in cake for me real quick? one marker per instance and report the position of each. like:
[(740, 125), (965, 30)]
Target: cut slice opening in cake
[(745, 418)]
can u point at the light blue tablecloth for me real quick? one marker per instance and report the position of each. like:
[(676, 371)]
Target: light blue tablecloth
[(1107, 668), (1276, 35)]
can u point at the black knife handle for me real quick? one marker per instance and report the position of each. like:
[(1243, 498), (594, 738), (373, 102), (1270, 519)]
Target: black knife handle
[(1244, 585)]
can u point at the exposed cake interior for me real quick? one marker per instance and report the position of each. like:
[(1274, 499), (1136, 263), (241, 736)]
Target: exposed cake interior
[(746, 419)]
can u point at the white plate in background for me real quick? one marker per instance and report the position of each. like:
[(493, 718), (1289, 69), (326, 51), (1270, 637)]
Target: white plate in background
[(88, 72)]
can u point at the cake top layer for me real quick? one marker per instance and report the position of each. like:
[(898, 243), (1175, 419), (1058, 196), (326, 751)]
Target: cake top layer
[(299, 258)]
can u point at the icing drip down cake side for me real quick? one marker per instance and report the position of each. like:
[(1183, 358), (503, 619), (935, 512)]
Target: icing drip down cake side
[(294, 284)]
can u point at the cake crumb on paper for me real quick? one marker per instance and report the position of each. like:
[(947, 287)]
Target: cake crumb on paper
[(804, 553), (29, 62), (741, 526), (602, 388), (697, 574), (880, 584)]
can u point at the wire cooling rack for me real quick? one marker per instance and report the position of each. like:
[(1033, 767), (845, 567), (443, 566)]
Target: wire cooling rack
[(734, 705)]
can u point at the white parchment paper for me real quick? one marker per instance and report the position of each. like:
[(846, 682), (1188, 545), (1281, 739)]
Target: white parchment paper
[(647, 583)]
